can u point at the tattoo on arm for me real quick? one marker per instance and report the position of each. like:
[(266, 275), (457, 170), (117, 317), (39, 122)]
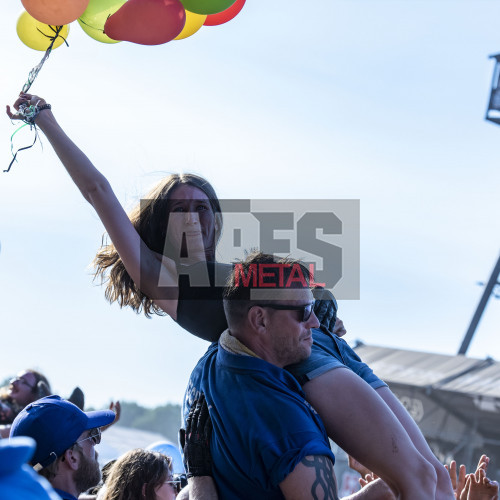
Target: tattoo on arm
[(324, 486)]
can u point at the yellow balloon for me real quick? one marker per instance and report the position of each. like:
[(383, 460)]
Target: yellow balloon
[(193, 23), (28, 31)]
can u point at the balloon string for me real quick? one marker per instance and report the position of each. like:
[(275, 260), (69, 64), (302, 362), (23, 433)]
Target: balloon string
[(20, 149), (90, 26), (34, 72)]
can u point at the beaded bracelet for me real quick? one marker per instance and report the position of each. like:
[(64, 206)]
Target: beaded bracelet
[(29, 112)]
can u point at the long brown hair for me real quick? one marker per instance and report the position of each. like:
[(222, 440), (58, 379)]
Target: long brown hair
[(135, 469), (149, 218)]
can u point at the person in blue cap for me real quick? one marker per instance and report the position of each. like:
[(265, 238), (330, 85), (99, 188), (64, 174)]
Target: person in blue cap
[(65, 439), (17, 479)]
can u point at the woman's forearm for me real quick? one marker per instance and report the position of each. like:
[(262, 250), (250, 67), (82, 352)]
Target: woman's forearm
[(83, 173)]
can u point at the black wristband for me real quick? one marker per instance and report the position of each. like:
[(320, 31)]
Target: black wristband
[(44, 106)]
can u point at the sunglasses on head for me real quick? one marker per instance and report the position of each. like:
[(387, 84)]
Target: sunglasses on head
[(306, 309)]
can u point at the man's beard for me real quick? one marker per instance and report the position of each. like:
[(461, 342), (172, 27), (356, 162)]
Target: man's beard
[(88, 473)]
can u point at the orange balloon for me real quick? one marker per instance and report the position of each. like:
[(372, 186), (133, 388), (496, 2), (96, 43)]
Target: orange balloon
[(55, 12)]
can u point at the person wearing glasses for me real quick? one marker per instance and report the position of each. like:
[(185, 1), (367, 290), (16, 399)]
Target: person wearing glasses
[(65, 439), (141, 474), (267, 442), (27, 386), (183, 213)]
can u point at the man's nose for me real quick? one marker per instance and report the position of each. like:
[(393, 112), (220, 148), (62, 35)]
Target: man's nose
[(313, 321)]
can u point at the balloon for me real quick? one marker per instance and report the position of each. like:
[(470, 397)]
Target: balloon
[(55, 12), (27, 30), (93, 19), (207, 6), (193, 23), (225, 15), (148, 22)]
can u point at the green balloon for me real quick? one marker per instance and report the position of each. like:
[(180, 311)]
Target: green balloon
[(206, 6), (93, 19)]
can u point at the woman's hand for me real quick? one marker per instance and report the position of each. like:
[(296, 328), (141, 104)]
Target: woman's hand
[(28, 99)]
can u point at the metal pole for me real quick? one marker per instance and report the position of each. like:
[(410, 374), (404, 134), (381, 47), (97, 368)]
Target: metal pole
[(492, 282)]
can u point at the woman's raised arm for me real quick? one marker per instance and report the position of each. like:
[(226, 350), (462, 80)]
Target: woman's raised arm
[(142, 264)]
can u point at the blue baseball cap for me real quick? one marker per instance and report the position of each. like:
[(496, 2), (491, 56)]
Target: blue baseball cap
[(18, 480), (55, 424)]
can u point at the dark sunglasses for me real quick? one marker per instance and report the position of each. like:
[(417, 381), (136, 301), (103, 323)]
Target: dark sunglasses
[(178, 482), (306, 309)]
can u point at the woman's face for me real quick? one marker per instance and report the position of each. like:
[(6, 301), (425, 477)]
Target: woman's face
[(166, 492), (21, 388), (191, 217)]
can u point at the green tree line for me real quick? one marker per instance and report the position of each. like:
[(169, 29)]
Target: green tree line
[(165, 420)]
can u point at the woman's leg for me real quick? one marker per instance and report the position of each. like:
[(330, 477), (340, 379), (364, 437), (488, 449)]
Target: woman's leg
[(362, 424), (444, 488)]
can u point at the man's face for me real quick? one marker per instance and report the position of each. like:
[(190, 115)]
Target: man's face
[(21, 388), (88, 473), (290, 337)]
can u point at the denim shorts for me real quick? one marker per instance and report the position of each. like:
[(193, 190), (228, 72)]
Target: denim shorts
[(329, 352)]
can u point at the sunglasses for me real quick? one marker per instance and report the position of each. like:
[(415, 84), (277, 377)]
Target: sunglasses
[(19, 379), (95, 436), (306, 309), (177, 483)]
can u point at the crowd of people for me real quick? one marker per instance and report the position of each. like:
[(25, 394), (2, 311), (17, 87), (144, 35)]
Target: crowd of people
[(275, 384)]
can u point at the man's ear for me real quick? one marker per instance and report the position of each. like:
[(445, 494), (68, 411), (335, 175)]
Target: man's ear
[(257, 319), (72, 459)]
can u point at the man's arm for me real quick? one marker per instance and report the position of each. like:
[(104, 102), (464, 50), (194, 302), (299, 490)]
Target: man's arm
[(313, 478)]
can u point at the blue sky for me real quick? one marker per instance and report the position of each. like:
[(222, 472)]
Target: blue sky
[(381, 101)]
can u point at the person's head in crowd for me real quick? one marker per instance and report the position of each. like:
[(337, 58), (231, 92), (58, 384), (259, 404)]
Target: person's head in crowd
[(66, 438), (179, 195), (28, 386), (17, 479), (8, 410), (270, 308), (141, 474)]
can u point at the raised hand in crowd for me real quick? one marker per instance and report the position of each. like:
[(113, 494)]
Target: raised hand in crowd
[(479, 487), (115, 407), (372, 487), (457, 480), (473, 486), (358, 467)]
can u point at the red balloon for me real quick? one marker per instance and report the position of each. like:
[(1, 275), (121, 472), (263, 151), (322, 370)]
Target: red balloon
[(148, 22), (225, 15)]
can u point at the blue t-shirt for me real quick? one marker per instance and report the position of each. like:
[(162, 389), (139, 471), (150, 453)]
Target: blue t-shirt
[(262, 424), (64, 495)]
